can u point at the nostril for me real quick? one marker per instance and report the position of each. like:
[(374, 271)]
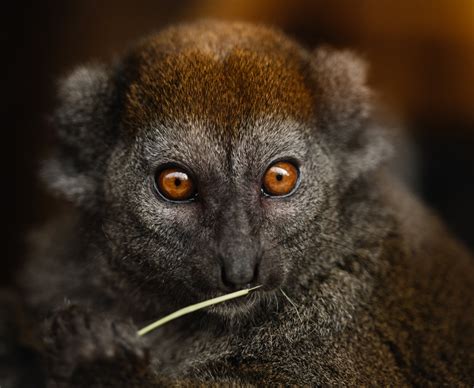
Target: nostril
[(237, 279)]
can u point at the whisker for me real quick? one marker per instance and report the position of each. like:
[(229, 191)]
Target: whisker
[(275, 297), (293, 304)]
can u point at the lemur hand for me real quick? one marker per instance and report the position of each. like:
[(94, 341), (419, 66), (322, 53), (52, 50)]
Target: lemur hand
[(88, 349)]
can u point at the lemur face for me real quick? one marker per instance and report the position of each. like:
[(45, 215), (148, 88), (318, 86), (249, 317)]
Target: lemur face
[(221, 160), (221, 167)]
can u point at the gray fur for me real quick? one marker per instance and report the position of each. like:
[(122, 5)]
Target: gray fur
[(379, 293)]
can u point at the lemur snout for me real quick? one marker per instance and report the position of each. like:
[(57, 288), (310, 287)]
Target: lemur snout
[(239, 276), (239, 267)]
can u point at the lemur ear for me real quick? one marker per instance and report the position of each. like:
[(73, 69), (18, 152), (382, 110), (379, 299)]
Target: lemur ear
[(85, 125), (345, 111)]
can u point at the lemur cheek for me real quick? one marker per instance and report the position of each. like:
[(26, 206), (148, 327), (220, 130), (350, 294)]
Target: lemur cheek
[(271, 274)]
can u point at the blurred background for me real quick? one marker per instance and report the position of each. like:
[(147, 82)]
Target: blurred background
[(422, 63)]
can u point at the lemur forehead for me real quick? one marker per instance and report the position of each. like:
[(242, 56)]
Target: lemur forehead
[(224, 75)]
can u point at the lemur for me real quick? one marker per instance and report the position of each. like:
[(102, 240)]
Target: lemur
[(216, 156)]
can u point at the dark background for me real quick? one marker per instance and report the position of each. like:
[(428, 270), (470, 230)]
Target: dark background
[(422, 63)]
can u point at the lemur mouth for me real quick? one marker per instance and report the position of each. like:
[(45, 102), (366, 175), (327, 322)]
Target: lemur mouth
[(239, 305)]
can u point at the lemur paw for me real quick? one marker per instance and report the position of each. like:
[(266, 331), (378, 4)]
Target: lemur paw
[(79, 342)]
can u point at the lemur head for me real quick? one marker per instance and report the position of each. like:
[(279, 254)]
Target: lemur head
[(207, 153)]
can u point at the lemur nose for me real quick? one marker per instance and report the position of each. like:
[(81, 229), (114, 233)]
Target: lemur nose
[(238, 248), (239, 275)]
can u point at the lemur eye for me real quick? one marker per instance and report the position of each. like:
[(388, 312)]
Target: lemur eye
[(280, 179), (175, 184)]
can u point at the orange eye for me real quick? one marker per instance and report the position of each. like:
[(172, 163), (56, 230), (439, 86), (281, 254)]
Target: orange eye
[(280, 179), (174, 184)]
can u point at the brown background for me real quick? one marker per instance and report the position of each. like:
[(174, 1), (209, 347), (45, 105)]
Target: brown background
[(421, 55)]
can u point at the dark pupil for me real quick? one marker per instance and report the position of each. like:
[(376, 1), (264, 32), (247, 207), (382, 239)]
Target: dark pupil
[(177, 181), (279, 177)]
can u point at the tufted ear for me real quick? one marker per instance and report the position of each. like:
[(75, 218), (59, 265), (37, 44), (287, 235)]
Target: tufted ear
[(345, 114), (85, 127)]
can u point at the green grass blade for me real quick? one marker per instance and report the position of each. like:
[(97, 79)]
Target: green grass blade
[(194, 307)]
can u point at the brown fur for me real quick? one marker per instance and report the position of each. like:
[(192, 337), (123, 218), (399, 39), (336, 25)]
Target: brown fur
[(195, 73)]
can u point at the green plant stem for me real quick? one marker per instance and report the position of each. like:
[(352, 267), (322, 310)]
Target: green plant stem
[(194, 307)]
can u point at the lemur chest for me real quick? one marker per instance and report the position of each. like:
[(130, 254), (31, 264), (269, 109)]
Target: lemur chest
[(268, 346)]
